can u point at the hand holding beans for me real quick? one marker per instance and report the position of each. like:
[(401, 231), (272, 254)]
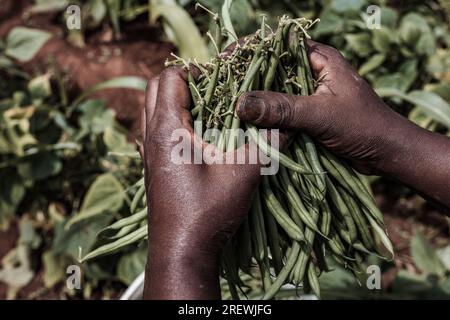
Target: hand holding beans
[(347, 117)]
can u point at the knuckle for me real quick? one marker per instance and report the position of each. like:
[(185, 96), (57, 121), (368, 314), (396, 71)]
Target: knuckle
[(286, 113), (172, 72)]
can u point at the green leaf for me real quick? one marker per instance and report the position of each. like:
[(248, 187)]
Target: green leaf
[(374, 62), (347, 5), (81, 237), (382, 236), (95, 119), (12, 191), (441, 89), (132, 237), (389, 17), (105, 194), (116, 141), (53, 270), (360, 43), (444, 255), (432, 104), (381, 39), (40, 166), (131, 265), (40, 87), (425, 257), (125, 82), (415, 31), (49, 5), (330, 23), (23, 43), (186, 35)]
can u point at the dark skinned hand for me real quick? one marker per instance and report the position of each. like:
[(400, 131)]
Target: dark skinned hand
[(194, 209), (346, 116)]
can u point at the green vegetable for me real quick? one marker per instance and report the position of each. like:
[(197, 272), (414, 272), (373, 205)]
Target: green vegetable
[(316, 205)]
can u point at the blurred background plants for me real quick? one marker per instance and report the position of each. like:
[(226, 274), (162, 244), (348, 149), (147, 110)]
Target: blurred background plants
[(63, 179)]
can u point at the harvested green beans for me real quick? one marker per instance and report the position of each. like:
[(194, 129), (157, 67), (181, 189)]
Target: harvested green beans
[(314, 209)]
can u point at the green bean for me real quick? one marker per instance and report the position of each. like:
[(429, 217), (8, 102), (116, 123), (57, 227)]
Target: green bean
[(274, 242), (314, 192), (358, 216), (279, 213), (121, 233), (313, 280), (351, 182), (258, 229), (137, 198), (313, 159), (342, 208), (135, 218), (273, 61), (271, 152), (326, 218), (296, 202), (284, 273), (114, 246)]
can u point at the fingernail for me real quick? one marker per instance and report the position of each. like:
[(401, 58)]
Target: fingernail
[(250, 107)]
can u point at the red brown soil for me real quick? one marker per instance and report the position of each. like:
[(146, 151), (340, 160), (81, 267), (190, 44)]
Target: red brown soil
[(138, 53)]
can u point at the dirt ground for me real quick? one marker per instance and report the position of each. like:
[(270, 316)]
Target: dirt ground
[(139, 52)]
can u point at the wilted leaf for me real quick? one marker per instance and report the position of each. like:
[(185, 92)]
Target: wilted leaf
[(28, 235), (425, 257), (23, 43), (16, 271)]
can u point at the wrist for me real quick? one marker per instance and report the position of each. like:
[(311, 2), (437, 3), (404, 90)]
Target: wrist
[(177, 270), (400, 140)]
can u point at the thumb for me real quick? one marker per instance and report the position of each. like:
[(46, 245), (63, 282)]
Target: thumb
[(278, 110)]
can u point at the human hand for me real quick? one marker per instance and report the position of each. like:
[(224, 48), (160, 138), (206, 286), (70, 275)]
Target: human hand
[(193, 208), (347, 117)]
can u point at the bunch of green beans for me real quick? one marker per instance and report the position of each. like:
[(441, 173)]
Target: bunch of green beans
[(316, 207)]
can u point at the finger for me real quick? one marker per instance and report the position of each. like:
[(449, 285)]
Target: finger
[(277, 110), (173, 102), (322, 57), (230, 48)]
